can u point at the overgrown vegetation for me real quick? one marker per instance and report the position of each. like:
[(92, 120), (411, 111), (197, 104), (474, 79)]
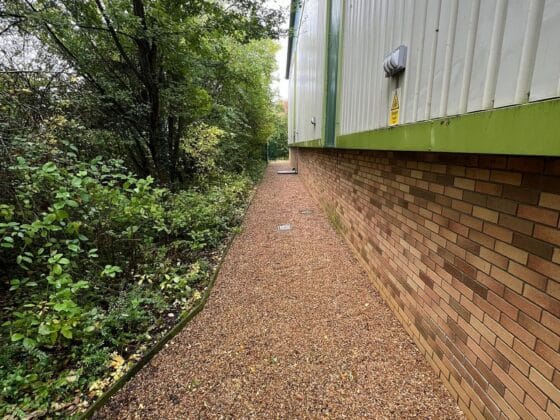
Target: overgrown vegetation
[(131, 134), (277, 146)]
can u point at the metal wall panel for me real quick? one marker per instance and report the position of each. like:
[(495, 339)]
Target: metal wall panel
[(510, 60), (291, 104), (308, 71), (547, 61), (461, 61), (463, 56), (481, 53)]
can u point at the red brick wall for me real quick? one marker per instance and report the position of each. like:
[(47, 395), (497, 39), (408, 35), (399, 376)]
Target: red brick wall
[(466, 251)]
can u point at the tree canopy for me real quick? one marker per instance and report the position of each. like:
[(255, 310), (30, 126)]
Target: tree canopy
[(152, 70)]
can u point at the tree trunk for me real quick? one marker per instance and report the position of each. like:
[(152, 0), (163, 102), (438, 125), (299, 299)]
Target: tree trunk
[(150, 74)]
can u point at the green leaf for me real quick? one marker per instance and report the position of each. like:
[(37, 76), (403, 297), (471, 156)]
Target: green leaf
[(29, 343), (72, 203), (17, 337), (66, 331), (50, 218), (82, 284), (60, 307), (44, 329), (49, 167), (15, 283), (61, 214), (73, 247)]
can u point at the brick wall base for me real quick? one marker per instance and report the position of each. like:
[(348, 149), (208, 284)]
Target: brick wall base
[(466, 251)]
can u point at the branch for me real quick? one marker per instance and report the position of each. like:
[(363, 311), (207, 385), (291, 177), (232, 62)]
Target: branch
[(19, 19), (30, 72), (98, 28), (116, 39), (11, 15), (67, 51)]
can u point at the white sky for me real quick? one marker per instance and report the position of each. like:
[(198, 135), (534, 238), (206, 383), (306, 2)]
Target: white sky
[(280, 84)]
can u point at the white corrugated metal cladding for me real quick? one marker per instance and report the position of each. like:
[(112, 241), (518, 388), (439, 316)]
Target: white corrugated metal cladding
[(463, 56), (307, 72)]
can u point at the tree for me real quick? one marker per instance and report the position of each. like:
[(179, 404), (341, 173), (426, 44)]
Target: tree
[(150, 68), (278, 141)]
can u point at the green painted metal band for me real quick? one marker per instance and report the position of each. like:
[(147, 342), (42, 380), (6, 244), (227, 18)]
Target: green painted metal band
[(181, 324), (308, 143), (530, 129), (334, 18)]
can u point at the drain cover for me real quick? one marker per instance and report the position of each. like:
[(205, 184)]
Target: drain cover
[(284, 227)]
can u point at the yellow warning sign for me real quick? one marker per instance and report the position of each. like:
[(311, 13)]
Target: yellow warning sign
[(394, 112)]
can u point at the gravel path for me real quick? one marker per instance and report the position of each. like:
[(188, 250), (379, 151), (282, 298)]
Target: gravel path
[(293, 329)]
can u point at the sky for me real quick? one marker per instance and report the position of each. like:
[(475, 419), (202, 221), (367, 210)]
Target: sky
[(280, 84)]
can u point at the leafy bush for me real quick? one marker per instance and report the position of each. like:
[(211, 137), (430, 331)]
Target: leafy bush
[(212, 212), (278, 141), (97, 263), (84, 207)]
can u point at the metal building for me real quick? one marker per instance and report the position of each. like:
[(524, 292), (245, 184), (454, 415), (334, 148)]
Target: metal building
[(462, 57)]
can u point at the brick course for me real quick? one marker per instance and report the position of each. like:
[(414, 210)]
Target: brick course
[(465, 250)]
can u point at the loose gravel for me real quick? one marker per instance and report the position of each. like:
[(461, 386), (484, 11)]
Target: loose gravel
[(293, 329)]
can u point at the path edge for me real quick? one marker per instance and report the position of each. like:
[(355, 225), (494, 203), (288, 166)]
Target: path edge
[(186, 317)]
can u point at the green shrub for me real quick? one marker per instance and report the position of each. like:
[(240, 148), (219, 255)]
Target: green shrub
[(85, 207), (96, 263), (131, 314), (204, 218)]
